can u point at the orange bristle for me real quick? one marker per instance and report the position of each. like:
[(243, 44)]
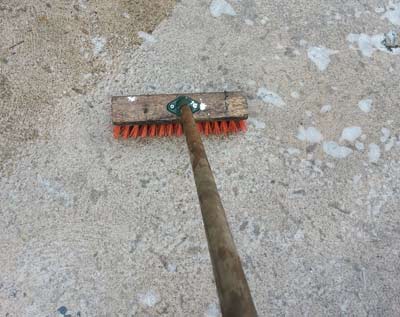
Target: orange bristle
[(224, 127), (125, 131), (178, 129), (232, 127), (116, 131), (170, 129), (215, 127), (243, 125), (207, 128), (143, 132), (161, 130), (135, 131), (153, 130)]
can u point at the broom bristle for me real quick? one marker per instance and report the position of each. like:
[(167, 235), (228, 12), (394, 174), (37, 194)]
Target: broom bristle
[(232, 127), (153, 130), (135, 131), (207, 128), (117, 131), (215, 128), (125, 131), (179, 129), (170, 129), (143, 133), (224, 127), (200, 127), (243, 125), (161, 130)]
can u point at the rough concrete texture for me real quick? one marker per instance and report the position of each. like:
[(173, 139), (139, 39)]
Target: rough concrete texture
[(60, 48), (91, 226)]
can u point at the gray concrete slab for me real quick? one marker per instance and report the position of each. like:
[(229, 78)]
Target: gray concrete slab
[(94, 227)]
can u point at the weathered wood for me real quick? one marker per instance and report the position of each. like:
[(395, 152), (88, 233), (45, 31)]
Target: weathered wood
[(233, 290), (151, 109)]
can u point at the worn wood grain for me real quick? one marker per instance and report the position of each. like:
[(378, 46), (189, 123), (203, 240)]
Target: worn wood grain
[(151, 109), (232, 287)]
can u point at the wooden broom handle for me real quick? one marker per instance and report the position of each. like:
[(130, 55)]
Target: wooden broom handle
[(233, 291)]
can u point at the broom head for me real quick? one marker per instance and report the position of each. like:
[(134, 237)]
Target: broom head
[(147, 116)]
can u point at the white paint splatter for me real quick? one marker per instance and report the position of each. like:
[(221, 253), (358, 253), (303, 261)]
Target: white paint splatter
[(251, 83), (299, 235), (203, 106), (303, 42), (171, 267), (147, 38), (351, 134), (220, 7), (344, 306), (293, 151), (385, 135), (389, 145), (366, 44), (369, 44), (326, 108), (359, 146), (335, 150), (98, 45), (374, 153), (356, 179), (257, 123), (357, 13), (83, 4), (149, 299), (386, 139), (270, 97), (365, 105), (212, 311), (311, 135), (295, 94), (320, 56), (132, 99), (393, 13), (56, 191), (376, 200)]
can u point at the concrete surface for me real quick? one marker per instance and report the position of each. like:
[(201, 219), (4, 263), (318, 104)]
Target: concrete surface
[(91, 226)]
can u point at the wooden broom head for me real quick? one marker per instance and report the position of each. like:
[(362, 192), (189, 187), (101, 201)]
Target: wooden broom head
[(147, 116)]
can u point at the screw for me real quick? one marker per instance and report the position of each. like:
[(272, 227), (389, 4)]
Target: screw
[(195, 105)]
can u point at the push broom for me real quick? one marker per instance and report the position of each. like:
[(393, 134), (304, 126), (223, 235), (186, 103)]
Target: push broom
[(207, 113)]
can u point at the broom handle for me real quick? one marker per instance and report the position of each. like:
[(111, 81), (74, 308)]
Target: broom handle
[(233, 291)]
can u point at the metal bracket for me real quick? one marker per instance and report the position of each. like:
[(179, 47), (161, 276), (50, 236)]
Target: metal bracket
[(175, 105)]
